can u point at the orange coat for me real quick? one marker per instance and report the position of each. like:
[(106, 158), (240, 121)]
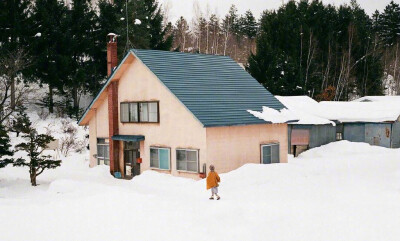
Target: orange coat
[(212, 180)]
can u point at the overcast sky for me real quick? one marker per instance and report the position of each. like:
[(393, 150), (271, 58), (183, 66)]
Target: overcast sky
[(220, 7)]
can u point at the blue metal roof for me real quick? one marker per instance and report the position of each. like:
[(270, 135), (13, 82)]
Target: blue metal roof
[(214, 88), (128, 138)]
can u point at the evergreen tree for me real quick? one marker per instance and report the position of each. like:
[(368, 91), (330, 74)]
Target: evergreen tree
[(248, 25), (181, 31), (49, 48), (230, 26), (34, 146), (15, 23), (4, 147), (80, 42), (389, 22)]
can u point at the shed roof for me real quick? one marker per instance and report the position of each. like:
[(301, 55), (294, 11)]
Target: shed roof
[(360, 111), (386, 98), (310, 111), (305, 109), (214, 88)]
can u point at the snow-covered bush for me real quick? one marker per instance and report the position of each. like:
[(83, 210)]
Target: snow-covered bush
[(70, 141)]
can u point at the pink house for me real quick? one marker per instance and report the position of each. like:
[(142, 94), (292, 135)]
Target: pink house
[(178, 113)]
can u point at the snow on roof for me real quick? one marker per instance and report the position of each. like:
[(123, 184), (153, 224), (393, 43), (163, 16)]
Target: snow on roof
[(392, 98), (274, 116), (360, 111), (305, 109), (310, 111)]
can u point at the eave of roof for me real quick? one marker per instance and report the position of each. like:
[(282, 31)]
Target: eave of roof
[(80, 122)]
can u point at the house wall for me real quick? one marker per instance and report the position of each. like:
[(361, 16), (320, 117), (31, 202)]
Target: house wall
[(98, 128), (230, 147), (178, 128)]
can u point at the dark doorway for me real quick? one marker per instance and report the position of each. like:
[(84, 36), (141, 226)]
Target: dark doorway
[(131, 153)]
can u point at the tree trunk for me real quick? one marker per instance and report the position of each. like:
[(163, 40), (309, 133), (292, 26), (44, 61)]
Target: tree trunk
[(51, 102), (12, 93), (397, 83), (32, 173)]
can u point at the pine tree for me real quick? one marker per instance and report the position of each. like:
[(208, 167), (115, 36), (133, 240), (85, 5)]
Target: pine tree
[(34, 146), (80, 42), (248, 25), (5, 147), (16, 33), (230, 26), (145, 26), (181, 31), (49, 48)]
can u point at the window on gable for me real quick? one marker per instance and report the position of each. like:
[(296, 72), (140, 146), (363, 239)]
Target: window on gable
[(139, 112)]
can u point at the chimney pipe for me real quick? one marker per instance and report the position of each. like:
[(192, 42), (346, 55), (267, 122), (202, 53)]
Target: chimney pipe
[(112, 54)]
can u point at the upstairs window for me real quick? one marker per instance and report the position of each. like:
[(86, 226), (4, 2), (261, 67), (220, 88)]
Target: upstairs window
[(134, 112)]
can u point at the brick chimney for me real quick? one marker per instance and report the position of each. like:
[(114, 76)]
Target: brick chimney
[(112, 54), (112, 91)]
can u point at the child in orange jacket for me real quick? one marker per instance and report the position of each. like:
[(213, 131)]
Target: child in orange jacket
[(212, 182)]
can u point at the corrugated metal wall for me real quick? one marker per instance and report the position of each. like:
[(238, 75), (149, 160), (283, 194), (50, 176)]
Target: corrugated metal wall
[(354, 132), (396, 135), (378, 134), (319, 134)]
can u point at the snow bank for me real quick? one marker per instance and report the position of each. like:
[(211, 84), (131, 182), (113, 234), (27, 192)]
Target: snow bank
[(340, 191)]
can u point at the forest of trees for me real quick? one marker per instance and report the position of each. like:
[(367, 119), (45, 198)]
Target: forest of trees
[(302, 48)]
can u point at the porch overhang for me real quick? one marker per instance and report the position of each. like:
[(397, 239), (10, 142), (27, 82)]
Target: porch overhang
[(128, 138)]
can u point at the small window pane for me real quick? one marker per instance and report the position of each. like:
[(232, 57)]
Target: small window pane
[(192, 166), (124, 112), (133, 112), (181, 155), (153, 109), (144, 114), (181, 165), (107, 152), (275, 153), (164, 158), (154, 158)]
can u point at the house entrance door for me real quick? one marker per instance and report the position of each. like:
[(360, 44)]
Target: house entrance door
[(131, 153)]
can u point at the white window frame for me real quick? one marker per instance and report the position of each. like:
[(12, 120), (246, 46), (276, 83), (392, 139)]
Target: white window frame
[(107, 143), (169, 158), (270, 144), (139, 111), (197, 156)]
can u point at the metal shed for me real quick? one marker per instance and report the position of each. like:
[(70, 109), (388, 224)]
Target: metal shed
[(309, 136), (377, 134)]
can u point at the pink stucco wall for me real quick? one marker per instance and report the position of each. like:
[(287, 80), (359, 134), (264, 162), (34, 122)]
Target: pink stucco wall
[(98, 128), (233, 146), (226, 147), (178, 128)]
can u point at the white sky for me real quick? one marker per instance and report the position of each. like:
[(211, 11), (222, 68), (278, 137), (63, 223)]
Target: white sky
[(220, 7)]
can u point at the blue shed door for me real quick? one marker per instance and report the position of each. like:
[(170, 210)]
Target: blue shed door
[(270, 153)]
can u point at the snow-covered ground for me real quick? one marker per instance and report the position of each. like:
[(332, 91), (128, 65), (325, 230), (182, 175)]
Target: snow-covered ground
[(341, 191)]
